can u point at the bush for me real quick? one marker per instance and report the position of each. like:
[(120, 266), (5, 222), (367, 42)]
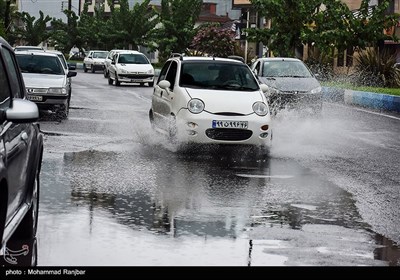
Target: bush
[(376, 68)]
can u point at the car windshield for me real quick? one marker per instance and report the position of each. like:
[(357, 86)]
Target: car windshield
[(131, 58), (40, 64), (284, 68), (100, 54), (217, 75)]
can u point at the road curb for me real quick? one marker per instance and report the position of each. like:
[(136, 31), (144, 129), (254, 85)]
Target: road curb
[(362, 98)]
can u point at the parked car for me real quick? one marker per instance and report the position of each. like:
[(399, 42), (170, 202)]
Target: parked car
[(21, 154), (46, 80), (291, 83), (210, 100), (130, 67), (94, 61), (107, 61)]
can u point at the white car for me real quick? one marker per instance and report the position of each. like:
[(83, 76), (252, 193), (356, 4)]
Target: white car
[(211, 100), (130, 67), (107, 61), (94, 61), (46, 80)]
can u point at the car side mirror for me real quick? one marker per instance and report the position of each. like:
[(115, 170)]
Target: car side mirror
[(164, 84), (265, 90)]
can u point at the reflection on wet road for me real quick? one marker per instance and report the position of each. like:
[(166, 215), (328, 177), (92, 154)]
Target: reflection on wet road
[(111, 195), (150, 206)]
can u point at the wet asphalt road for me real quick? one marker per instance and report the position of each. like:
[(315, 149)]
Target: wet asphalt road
[(114, 194)]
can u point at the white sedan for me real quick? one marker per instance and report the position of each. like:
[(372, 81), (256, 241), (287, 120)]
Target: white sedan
[(130, 67)]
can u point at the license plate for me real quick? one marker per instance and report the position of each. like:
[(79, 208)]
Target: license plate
[(35, 97), (229, 124)]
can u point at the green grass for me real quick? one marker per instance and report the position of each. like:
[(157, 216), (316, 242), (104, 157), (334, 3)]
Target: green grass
[(391, 91)]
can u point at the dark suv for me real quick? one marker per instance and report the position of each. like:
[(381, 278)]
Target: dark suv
[(21, 150)]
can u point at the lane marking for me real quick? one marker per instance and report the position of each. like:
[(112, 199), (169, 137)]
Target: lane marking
[(366, 111)]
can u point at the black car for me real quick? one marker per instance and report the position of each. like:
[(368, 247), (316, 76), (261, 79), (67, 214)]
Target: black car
[(21, 150)]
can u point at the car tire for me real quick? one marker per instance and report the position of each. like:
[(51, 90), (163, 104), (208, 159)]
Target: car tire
[(151, 84), (110, 81), (92, 68), (105, 73), (84, 68), (117, 83), (28, 226), (63, 111)]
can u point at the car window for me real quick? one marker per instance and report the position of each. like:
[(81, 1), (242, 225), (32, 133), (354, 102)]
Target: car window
[(281, 68), (40, 64), (171, 74), (99, 54), (217, 75), (163, 72), (4, 85), (12, 66), (130, 58)]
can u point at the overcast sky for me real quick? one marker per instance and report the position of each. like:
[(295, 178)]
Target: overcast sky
[(53, 8)]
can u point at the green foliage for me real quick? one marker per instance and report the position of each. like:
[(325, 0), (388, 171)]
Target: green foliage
[(129, 28), (177, 18), (299, 22), (214, 40), (376, 68), (33, 31), (65, 35)]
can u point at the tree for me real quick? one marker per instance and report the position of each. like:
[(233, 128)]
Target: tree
[(289, 20), (328, 25), (214, 40), (33, 31), (66, 35), (129, 28), (177, 18)]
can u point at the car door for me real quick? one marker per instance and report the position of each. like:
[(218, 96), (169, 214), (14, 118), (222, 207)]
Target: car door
[(15, 137), (163, 98)]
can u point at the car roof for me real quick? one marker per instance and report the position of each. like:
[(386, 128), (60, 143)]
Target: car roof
[(43, 53), (129, 51), (205, 58), (19, 48), (279, 59)]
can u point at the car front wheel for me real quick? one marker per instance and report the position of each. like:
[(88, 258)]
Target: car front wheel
[(84, 68)]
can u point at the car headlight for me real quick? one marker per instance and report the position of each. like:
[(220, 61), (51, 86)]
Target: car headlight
[(61, 91), (123, 71), (260, 108), (316, 90), (274, 91), (195, 106), (151, 71)]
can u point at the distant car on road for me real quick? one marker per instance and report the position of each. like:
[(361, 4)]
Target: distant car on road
[(291, 83), (130, 67), (94, 61), (21, 150), (46, 80), (107, 61)]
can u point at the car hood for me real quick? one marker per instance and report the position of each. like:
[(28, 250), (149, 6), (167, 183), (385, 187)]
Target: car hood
[(291, 84), (217, 101), (135, 67), (43, 80)]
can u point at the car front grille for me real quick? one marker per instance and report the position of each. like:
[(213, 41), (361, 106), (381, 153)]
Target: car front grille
[(228, 134), (136, 76)]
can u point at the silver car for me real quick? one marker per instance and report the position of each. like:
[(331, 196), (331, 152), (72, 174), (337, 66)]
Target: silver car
[(292, 85), (46, 80)]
